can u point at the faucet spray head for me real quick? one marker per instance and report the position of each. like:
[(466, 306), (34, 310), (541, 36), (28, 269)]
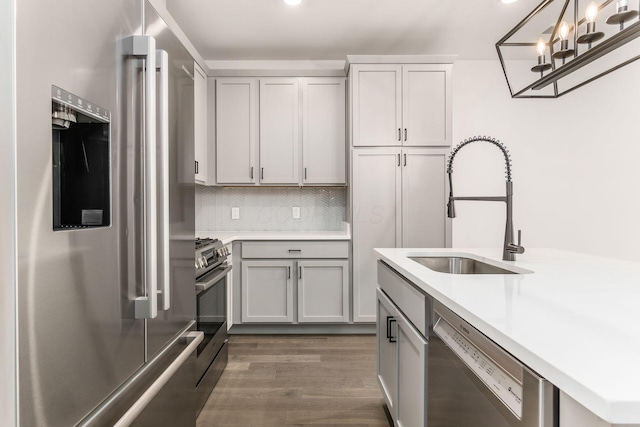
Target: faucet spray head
[(451, 210)]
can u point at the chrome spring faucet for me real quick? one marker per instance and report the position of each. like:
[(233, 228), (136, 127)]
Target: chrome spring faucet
[(509, 248)]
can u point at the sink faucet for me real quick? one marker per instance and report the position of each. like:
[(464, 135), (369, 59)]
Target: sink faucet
[(510, 249)]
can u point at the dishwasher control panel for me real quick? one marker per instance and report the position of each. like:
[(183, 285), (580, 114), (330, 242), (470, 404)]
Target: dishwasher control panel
[(507, 389)]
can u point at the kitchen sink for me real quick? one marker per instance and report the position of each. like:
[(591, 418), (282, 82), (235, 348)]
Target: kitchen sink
[(459, 265)]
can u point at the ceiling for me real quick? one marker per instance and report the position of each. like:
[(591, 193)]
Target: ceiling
[(332, 29)]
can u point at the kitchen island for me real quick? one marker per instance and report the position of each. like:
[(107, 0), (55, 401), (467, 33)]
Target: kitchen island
[(570, 317)]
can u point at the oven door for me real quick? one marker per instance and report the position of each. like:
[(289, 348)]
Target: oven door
[(473, 382), (211, 315)]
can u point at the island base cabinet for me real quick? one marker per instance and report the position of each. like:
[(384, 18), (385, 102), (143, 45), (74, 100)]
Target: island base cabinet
[(573, 414), (402, 365), (412, 373), (267, 291), (387, 372)]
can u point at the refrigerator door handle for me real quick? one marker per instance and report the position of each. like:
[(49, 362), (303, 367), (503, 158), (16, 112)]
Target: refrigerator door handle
[(164, 272), (144, 47), (139, 405)]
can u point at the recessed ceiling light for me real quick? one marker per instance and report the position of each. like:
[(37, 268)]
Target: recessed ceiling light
[(292, 2), (507, 1)]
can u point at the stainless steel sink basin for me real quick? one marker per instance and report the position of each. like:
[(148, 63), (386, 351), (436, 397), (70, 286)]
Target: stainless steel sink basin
[(459, 265)]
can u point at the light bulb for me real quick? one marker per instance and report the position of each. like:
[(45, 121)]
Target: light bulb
[(564, 30), (541, 47), (592, 11), (293, 2)]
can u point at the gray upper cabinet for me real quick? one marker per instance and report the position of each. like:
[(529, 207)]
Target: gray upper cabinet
[(279, 131), (407, 105), (200, 122), (376, 104), (236, 130), (323, 130)]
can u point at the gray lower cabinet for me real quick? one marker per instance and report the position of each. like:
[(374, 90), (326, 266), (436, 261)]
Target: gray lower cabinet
[(323, 291), (402, 365), (267, 291), (297, 289)]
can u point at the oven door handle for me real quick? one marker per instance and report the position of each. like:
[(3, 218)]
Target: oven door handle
[(203, 286)]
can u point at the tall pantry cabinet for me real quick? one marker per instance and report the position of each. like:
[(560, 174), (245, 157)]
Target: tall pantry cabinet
[(400, 116)]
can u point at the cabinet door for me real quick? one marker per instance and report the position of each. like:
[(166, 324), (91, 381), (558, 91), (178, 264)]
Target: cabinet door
[(426, 105), (377, 105), (386, 337), (279, 138), (323, 291), (200, 119), (236, 131), (376, 221), (424, 198), (267, 292), (323, 130), (412, 375)]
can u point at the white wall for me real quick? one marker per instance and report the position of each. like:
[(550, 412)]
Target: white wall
[(576, 162), (8, 413)]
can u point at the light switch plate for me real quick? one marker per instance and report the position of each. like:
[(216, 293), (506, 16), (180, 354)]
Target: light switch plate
[(235, 213), (295, 212)]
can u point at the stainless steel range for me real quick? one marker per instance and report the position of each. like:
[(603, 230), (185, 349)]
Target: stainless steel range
[(211, 314)]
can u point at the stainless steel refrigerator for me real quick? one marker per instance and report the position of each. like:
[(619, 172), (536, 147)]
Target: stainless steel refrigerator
[(105, 201)]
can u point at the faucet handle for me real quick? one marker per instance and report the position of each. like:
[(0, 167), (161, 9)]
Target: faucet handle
[(516, 249)]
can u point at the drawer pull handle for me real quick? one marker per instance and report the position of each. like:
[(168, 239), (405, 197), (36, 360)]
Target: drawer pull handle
[(391, 337), (295, 250)]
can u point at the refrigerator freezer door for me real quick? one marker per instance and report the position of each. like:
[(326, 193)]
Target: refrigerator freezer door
[(168, 323), (78, 338)]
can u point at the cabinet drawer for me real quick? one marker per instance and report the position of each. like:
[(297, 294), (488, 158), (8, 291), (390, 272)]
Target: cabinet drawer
[(295, 249), (411, 301)]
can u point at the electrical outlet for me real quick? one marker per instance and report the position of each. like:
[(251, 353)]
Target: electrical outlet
[(235, 213), (296, 212)]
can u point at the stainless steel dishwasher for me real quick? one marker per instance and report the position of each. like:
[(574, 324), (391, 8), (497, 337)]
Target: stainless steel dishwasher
[(471, 381)]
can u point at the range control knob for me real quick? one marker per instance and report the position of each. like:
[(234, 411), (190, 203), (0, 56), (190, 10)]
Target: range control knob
[(220, 252), (201, 262)]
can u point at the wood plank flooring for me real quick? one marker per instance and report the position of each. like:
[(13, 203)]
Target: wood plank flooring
[(297, 380)]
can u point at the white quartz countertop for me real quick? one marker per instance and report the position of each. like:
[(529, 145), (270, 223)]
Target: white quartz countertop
[(575, 319), (231, 236)]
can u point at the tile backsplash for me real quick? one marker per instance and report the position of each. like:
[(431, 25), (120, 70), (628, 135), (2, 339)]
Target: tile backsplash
[(270, 208)]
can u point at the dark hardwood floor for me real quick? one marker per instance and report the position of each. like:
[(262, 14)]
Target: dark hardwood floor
[(297, 380)]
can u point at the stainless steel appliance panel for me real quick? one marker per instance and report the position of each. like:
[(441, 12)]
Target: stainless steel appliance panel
[(78, 338), (181, 186), (458, 397)]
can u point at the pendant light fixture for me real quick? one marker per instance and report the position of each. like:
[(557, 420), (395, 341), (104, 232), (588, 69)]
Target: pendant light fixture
[(575, 25)]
